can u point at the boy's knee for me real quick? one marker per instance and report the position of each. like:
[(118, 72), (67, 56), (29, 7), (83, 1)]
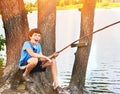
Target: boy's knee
[(33, 60)]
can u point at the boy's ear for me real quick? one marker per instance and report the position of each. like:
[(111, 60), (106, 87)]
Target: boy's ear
[(29, 37)]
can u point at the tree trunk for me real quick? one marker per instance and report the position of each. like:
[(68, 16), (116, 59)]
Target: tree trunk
[(82, 53), (16, 27), (46, 24)]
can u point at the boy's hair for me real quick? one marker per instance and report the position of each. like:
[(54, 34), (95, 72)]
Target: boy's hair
[(32, 31)]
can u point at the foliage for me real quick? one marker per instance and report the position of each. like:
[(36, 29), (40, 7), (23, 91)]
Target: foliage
[(98, 5), (30, 6), (74, 5), (107, 5), (2, 42), (1, 61)]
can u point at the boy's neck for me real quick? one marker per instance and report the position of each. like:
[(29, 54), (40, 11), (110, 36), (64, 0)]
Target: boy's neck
[(32, 43)]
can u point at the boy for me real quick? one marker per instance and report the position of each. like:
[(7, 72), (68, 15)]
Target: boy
[(32, 59)]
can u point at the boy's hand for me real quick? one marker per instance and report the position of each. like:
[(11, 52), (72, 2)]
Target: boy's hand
[(49, 59)]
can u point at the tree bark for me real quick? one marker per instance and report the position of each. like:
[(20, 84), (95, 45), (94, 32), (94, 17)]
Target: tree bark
[(82, 53), (46, 25), (16, 26)]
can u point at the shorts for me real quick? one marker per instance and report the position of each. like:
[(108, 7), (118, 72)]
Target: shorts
[(37, 68)]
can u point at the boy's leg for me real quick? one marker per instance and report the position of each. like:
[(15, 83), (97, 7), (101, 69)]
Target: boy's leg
[(54, 73), (53, 70), (32, 62)]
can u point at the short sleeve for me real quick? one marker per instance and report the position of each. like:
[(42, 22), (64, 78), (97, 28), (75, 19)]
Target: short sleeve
[(26, 45)]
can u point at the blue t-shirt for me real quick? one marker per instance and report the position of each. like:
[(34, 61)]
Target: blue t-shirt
[(25, 55)]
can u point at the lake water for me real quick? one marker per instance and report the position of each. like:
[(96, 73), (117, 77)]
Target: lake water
[(103, 72)]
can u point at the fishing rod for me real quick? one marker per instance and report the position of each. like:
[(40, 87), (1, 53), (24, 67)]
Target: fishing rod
[(87, 36)]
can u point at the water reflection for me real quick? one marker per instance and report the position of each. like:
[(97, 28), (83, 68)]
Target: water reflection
[(103, 72), (104, 78)]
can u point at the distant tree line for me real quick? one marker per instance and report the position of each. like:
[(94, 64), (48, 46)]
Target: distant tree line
[(30, 6), (68, 2), (113, 1)]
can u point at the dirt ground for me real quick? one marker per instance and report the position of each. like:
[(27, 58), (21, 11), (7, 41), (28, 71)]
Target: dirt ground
[(10, 91)]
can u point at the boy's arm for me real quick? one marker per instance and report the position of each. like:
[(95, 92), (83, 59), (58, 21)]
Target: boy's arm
[(55, 54), (40, 55)]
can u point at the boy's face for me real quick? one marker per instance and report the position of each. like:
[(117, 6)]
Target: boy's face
[(35, 38)]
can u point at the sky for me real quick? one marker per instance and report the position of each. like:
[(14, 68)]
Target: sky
[(33, 1)]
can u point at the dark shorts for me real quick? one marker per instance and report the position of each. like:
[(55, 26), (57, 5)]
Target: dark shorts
[(37, 68)]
